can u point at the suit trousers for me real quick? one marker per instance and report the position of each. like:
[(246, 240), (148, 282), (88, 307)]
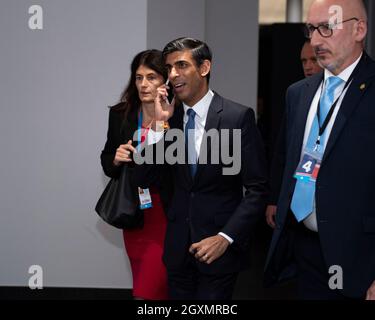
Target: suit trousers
[(188, 283), (312, 271)]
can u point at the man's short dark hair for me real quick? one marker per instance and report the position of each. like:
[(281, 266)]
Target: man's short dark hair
[(199, 50)]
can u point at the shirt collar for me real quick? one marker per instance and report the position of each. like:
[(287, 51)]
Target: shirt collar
[(201, 107), (345, 74)]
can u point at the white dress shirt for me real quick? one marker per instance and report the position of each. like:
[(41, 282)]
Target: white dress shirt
[(310, 222)]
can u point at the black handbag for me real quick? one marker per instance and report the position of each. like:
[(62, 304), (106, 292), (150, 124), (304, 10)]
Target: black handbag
[(119, 204)]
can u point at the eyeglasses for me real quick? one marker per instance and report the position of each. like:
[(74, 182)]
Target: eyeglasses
[(324, 29)]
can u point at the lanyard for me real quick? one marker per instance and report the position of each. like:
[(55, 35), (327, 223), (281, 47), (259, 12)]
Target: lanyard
[(323, 127), (139, 131)]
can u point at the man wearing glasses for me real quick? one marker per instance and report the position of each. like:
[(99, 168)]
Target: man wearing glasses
[(325, 220)]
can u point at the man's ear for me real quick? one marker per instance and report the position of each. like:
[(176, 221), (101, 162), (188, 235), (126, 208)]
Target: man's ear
[(205, 68), (361, 30)]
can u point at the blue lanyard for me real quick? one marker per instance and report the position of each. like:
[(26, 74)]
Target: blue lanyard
[(140, 119)]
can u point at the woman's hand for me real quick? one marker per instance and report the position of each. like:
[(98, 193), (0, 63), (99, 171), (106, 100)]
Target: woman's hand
[(124, 153)]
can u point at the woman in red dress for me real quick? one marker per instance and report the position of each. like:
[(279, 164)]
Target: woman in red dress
[(144, 245)]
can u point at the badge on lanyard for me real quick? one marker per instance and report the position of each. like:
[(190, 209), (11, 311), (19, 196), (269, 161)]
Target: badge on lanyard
[(145, 201), (308, 167)]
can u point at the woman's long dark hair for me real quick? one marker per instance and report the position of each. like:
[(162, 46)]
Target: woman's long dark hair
[(152, 59)]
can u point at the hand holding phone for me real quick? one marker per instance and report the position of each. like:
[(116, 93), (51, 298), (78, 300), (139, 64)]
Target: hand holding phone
[(170, 92), (164, 105)]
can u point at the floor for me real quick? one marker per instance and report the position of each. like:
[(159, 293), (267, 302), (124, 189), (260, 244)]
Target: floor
[(250, 282)]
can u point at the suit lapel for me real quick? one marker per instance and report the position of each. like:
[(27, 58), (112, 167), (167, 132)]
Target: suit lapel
[(302, 110), (129, 126), (349, 103), (177, 121), (212, 122)]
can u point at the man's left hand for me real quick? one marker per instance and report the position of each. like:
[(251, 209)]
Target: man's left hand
[(371, 292), (209, 249)]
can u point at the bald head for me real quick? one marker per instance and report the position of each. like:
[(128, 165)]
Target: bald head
[(352, 8)]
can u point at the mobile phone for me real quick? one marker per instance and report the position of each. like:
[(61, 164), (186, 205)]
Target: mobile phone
[(170, 92)]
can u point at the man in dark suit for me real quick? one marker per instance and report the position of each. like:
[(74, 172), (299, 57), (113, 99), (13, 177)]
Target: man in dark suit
[(210, 221), (310, 67), (325, 224)]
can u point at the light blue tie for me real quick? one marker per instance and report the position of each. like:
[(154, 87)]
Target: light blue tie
[(304, 192), (190, 141)]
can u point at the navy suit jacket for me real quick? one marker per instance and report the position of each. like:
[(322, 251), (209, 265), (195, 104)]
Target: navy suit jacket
[(213, 202), (345, 191)]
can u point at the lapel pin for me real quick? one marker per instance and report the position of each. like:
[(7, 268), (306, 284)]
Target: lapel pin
[(362, 86)]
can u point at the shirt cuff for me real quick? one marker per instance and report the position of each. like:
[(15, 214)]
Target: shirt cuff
[(226, 237), (154, 136)]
